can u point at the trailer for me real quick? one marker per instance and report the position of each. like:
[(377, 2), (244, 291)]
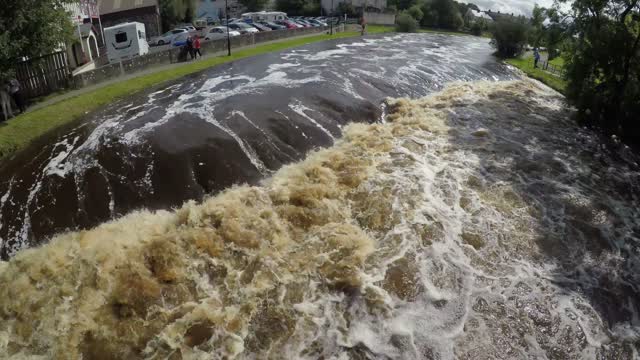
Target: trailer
[(264, 16), (126, 41)]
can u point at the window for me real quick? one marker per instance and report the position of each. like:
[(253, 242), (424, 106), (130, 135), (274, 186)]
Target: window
[(141, 35), (121, 37)]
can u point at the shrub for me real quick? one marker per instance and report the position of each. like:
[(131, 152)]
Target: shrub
[(509, 37), (476, 28), (415, 12), (406, 23)]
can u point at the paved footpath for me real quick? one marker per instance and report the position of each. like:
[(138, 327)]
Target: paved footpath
[(152, 70)]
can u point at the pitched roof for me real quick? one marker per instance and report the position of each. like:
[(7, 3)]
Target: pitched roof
[(113, 6)]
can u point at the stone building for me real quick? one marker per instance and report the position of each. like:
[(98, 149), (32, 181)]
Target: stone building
[(114, 12)]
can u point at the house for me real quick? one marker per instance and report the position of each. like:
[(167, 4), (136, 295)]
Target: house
[(472, 16), (84, 47), (114, 12)]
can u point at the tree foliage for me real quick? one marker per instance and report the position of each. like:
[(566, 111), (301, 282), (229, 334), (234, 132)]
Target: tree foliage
[(406, 23), (31, 28), (301, 7), (254, 5), (173, 12), (509, 36), (443, 14), (415, 12), (603, 65)]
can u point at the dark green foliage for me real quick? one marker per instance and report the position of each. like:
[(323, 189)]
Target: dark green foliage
[(256, 5), (430, 15), (29, 29), (173, 12), (476, 27), (415, 12), (444, 14), (406, 23), (509, 36), (603, 65)]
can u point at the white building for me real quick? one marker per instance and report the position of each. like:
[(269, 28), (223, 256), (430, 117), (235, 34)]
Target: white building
[(84, 49)]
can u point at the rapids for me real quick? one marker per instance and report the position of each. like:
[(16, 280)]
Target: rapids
[(232, 124), (475, 223)]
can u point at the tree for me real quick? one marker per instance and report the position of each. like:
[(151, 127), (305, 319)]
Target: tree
[(509, 36), (603, 65), (448, 14), (406, 23), (254, 5), (31, 28), (415, 12), (538, 16), (173, 12), (430, 16)]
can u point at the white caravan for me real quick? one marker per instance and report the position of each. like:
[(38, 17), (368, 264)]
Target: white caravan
[(125, 41), (264, 16)]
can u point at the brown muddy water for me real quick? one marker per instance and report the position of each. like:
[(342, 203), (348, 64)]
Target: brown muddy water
[(478, 222)]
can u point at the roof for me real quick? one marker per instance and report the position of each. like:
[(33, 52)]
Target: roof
[(480, 14), (127, 24), (114, 6)]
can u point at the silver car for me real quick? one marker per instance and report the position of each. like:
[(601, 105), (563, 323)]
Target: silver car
[(243, 28), (166, 38), (219, 32)]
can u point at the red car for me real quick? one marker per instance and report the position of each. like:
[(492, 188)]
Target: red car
[(288, 24)]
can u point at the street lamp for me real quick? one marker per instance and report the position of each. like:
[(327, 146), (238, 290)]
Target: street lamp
[(226, 14)]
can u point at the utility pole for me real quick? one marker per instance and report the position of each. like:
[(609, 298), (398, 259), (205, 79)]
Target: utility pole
[(226, 15), (331, 18)]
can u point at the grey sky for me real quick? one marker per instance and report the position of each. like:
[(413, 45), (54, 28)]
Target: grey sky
[(517, 7)]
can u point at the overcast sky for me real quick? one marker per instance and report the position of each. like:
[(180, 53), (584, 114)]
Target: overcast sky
[(517, 7)]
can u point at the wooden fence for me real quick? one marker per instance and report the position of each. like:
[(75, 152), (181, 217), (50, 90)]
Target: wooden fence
[(44, 75)]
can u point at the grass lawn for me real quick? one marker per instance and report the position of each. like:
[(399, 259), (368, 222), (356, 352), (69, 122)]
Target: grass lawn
[(18, 132), (526, 65)]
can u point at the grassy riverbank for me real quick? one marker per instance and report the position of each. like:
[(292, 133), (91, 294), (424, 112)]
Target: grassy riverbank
[(526, 65), (18, 132)]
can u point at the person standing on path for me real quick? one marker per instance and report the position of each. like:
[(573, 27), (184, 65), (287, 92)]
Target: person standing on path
[(363, 23), (196, 47), (536, 57), (15, 90), (190, 47)]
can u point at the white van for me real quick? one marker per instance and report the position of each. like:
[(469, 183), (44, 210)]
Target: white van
[(125, 41), (264, 16)]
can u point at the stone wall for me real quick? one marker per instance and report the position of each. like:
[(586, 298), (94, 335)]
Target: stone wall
[(150, 60)]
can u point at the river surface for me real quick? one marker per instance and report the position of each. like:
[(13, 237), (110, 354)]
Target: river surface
[(473, 220), (233, 124)]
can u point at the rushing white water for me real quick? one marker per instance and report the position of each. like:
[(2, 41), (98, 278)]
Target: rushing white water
[(476, 223)]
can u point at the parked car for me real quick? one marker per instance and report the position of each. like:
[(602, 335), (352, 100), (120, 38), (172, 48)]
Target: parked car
[(243, 28), (289, 24), (302, 24), (316, 23), (273, 25), (180, 40), (219, 32), (166, 38), (260, 27)]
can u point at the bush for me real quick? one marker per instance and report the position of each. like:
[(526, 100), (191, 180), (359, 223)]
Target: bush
[(415, 12), (509, 37), (476, 28), (406, 23)]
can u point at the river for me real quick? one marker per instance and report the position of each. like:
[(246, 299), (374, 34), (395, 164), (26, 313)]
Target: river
[(467, 220)]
